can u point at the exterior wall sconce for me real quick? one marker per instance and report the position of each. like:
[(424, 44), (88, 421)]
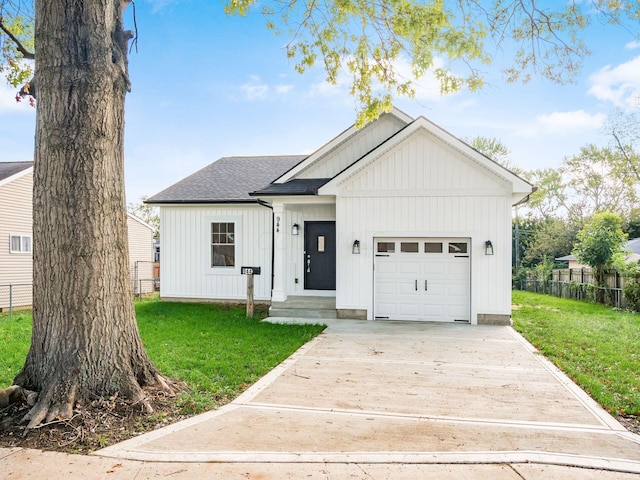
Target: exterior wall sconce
[(488, 248), (356, 247), (295, 229)]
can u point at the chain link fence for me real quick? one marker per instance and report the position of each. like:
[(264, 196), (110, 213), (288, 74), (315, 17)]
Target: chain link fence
[(145, 282), (145, 278), (577, 284), (15, 296)]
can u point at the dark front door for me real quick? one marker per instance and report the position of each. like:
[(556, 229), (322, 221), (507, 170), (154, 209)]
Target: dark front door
[(320, 255)]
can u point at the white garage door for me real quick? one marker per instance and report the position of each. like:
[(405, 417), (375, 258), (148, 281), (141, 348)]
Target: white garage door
[(422, 279)]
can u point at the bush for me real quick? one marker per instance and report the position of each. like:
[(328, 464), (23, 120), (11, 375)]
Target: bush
[(631, 292)]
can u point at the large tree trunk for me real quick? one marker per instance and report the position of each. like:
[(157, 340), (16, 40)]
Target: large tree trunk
[(85, 341)]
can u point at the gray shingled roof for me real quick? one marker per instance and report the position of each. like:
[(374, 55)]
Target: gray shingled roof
[(8, 169), (632, 245), (297, 186), (227, 180)]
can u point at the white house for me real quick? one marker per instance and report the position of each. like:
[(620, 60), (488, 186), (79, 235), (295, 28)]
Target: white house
[(16, 244), (16, 225), (399, 220), (141, 254)]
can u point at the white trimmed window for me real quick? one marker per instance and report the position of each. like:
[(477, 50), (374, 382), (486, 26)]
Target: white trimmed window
[(20, 244), (223, 244)]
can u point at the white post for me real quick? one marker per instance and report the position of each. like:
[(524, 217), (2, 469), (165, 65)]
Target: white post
[(278, 294), (250, 295)]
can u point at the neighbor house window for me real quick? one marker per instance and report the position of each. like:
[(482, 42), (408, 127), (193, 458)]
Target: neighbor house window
[(19, 244), (223, 244)]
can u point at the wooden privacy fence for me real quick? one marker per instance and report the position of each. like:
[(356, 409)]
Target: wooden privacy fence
[(577, 284)]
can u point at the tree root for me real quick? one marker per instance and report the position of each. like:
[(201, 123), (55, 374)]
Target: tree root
[(16, 394)]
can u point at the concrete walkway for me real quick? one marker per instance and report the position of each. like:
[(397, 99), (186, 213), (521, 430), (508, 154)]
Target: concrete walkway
[(382, 400)]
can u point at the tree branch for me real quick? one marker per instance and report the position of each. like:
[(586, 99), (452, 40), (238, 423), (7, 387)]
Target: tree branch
[(21, 48), (624, 153)]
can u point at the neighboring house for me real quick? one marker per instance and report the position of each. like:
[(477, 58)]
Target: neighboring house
[(141, 254), (16, 220), (399, 220), (16, 257), (632, 246)]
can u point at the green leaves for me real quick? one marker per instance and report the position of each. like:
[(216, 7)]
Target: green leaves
[(601, 241), (16, 42), (367, 40)]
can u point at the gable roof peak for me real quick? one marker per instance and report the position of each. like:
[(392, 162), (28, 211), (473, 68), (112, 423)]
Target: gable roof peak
[(12, 170)]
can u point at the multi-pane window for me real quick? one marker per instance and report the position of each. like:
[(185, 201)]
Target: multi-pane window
[(223, 247), (20, 244)]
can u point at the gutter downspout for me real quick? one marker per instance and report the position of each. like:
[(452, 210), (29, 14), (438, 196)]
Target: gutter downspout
[(273, 239)]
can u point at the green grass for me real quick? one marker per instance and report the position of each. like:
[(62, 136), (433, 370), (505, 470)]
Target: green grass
[(15, 338), (598, 347), (216, 350)]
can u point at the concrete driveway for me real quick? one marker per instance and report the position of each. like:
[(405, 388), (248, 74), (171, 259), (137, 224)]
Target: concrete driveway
[(401, 400)]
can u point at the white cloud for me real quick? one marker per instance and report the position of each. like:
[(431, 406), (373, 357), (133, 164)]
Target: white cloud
[(282, 89), (427, 88), (158, 5), (560, 124), (632, 45), (617, 85), (257, 90)]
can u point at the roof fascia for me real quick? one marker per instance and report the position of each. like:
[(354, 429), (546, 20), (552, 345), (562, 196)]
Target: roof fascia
[(300, 200), (139, 220), (520, 187), (331, 145), (16, 176), (182, 203)]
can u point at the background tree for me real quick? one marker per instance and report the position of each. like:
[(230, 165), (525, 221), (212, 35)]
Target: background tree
[(85, 341), (550, 238), (631, 224), (494, 149), (599, 180), (624, 128), (600, 244), (549, 200), (146, 213)]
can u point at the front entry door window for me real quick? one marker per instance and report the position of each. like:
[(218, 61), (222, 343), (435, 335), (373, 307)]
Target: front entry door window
[(320, 255)]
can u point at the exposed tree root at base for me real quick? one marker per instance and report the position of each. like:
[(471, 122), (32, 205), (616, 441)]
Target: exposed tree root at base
[(100, 423)]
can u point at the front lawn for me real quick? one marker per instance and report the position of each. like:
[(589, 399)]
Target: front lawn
[(215, 349), (598, 347)]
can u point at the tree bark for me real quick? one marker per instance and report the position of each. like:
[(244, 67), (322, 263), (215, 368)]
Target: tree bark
[(85, 341)]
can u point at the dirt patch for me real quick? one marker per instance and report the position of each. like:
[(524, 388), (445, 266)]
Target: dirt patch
[(630, 422), (100, 424)]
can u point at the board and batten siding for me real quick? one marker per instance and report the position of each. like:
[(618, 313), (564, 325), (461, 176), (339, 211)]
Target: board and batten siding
[(344, 154), (16, 218), (185, 256), (425, 188)]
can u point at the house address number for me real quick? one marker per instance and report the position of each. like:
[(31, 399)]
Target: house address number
[(250, 270)]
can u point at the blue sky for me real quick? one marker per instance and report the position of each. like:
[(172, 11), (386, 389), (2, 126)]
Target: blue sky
[(206, 86)]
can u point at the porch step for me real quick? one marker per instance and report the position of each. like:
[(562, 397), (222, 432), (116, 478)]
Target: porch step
[(304, 307)]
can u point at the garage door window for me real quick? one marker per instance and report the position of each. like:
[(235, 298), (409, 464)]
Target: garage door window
[(458, 247), (432, 247), (409, 247), (386, 247)]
